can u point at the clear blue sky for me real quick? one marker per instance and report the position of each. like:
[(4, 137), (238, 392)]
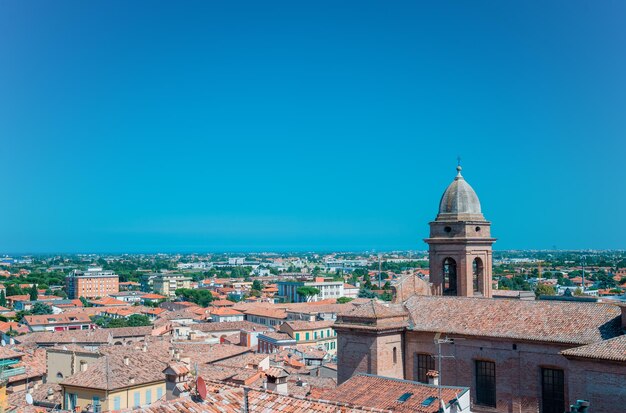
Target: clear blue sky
[(263, 125)]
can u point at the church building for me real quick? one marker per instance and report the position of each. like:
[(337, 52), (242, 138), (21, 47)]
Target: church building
[(516, 356)]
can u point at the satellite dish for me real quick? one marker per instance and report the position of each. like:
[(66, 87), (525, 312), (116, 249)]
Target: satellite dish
[(201, 388), (29, 398)]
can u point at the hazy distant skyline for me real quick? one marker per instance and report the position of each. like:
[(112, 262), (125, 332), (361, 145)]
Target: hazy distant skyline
[(281, 126)]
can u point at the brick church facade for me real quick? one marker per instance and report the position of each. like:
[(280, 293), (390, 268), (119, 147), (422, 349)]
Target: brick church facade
[(516, 356)]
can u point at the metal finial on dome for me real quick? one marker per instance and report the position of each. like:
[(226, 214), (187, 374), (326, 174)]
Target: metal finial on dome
[(458, 166)]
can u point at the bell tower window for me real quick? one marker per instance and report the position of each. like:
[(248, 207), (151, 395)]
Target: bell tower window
[(449, 276), (477, 275)]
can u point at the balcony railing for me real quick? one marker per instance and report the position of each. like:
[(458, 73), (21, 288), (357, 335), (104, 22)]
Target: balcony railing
[(5, 374)]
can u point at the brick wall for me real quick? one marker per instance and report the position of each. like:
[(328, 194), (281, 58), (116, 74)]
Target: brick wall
[(369, 353), (518, 372)]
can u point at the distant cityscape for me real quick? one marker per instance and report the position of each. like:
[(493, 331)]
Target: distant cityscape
[(443, 330), (265, 207)]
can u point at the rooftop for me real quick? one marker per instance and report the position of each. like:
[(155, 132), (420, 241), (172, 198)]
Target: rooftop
[(111, 372), (546, 321), (613, 349), (390, 394)]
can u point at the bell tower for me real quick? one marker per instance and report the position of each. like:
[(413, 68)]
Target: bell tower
[(460, 244)]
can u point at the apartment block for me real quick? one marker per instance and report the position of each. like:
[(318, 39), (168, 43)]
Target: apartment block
[(92, 283)]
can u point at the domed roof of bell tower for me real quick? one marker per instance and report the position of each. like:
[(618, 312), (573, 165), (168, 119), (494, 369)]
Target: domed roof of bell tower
[(459, 202)]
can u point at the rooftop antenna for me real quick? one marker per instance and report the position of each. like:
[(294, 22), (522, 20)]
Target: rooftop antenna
[(458, 160), (438, 342)]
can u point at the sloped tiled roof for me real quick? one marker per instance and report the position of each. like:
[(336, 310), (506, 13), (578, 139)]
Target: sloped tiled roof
[(613, 349), (375, 310), (225, 311), (268, 312), (7, 352), (383, 393), (309, 325), (546, 321), (100, 336), (51, 319), (224, 398), (229, 326), (211, 353), (110, 372)]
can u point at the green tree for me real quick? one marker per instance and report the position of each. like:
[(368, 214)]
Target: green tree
[(235, 298), (117, 322), (307, 292), (257, 285), (85, 302), (100, 321), (138, 320), (343, 300), (33, 293), (21, 314), (13, 289), (201, 297), (41, 308), (578, 292), (544, 289), (366, 293), (3, 299)]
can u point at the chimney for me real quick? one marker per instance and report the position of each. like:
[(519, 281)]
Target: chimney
[(433, 377), (131, 380), (277, 384), (126, 361)]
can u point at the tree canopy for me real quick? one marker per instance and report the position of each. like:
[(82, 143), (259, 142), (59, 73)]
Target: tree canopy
[(544, 289), (307, 292), (41, 308), (201, 297)]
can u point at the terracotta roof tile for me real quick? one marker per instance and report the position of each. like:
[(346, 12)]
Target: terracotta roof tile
[(547, 321), (383, 393), (111, 372), (613, 349)]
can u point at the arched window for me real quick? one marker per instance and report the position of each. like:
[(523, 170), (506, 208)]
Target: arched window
[(449, 276), (477, 274), (395, 355), (59, 375)]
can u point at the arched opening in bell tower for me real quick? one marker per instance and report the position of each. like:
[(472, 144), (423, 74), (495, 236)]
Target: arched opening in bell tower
[(477, 274), (449, 276)]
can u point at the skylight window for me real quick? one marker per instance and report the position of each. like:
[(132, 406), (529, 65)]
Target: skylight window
[(404, 397), (428, 401)]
